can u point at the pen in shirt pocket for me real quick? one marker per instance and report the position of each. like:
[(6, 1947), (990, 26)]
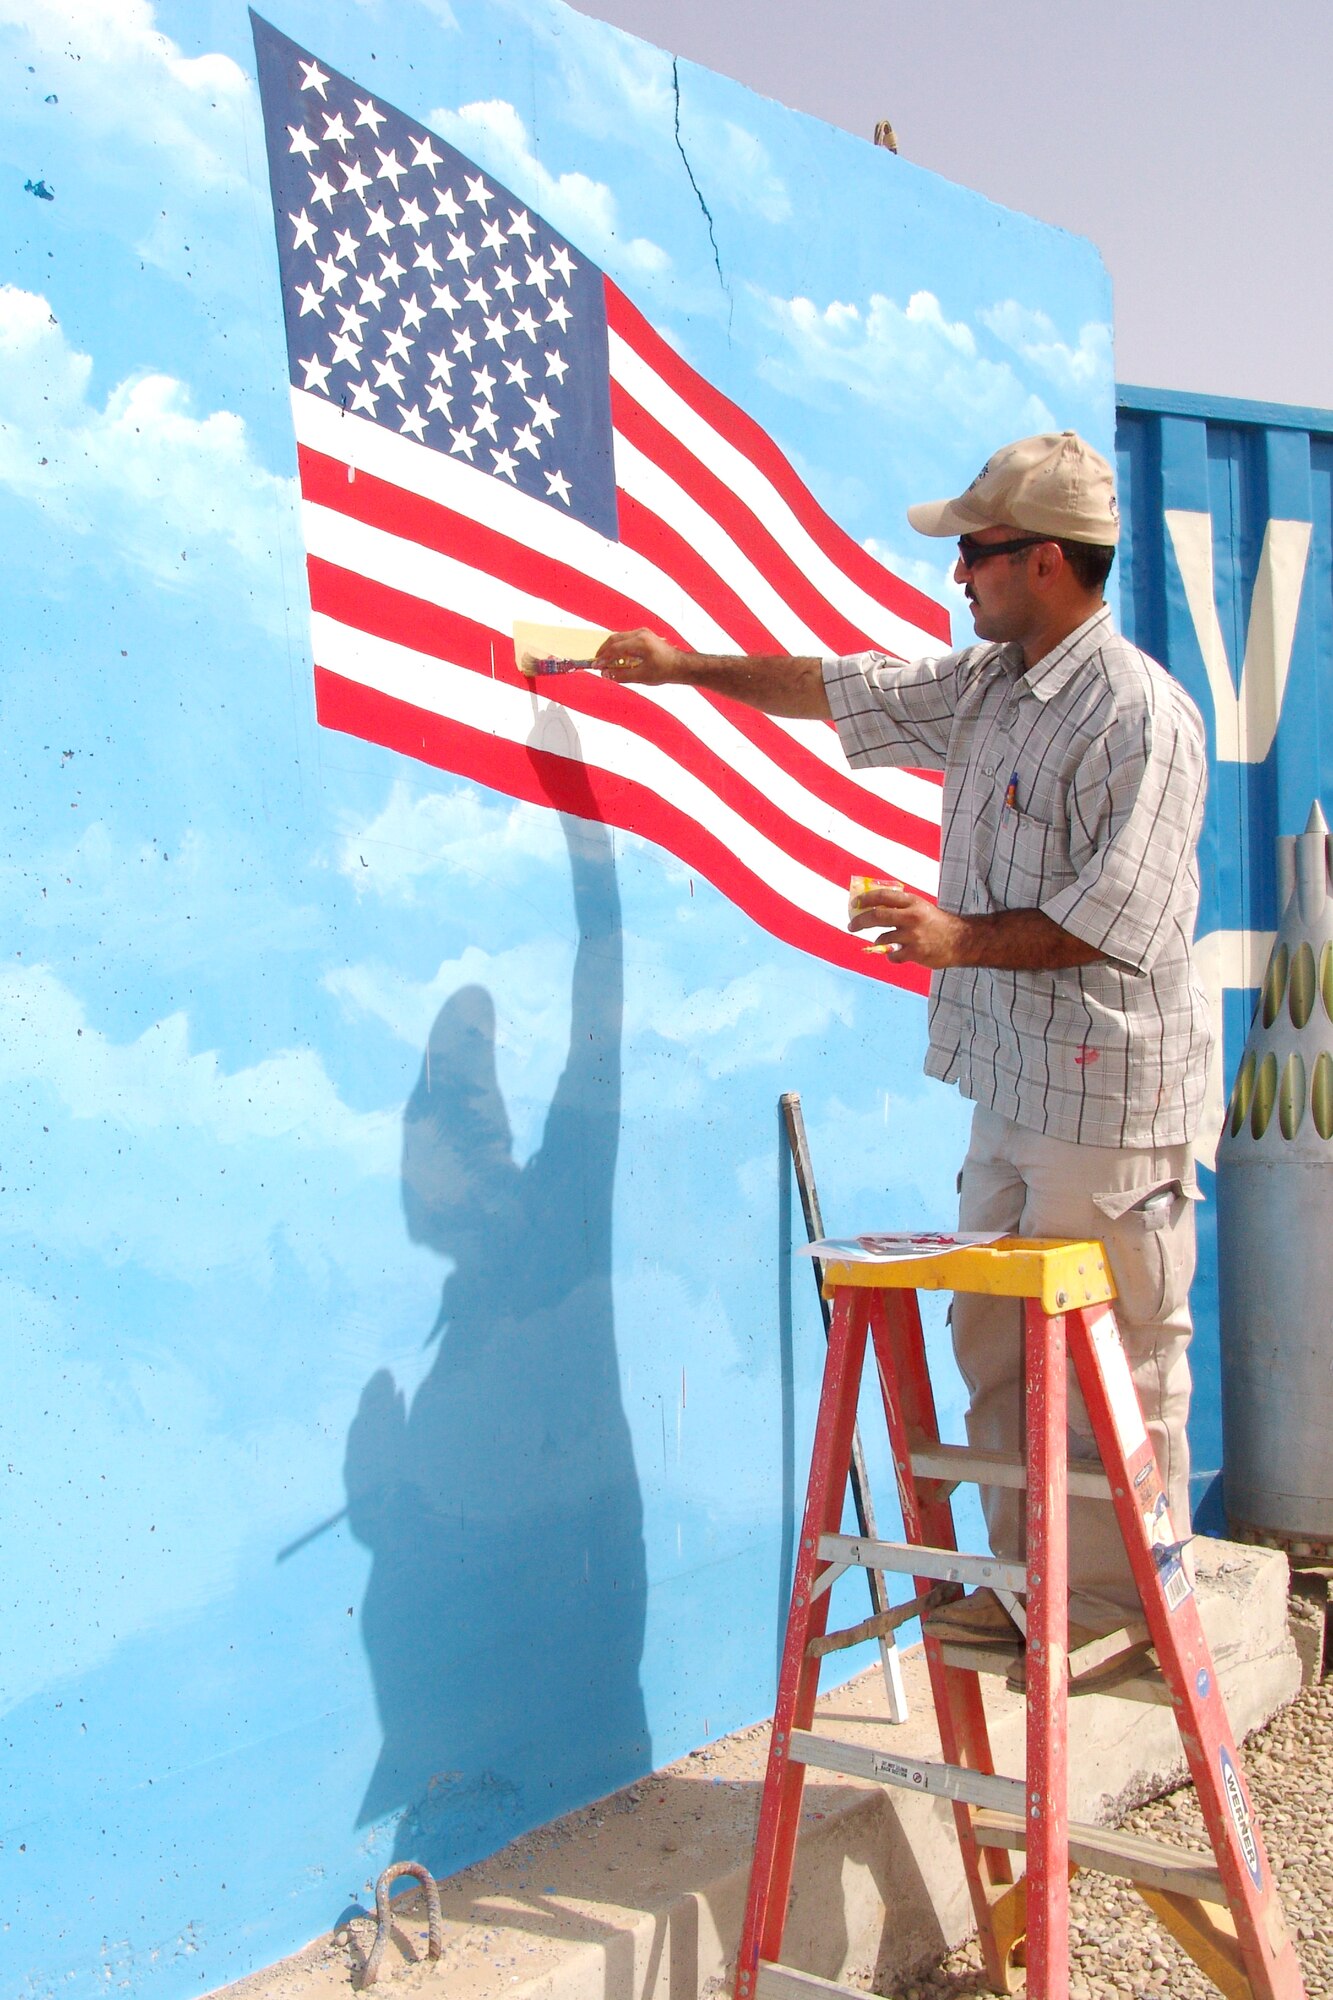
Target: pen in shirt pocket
[(1011, 791)]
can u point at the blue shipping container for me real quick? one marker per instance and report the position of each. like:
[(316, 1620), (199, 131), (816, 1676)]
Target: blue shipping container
[(1227, 578)]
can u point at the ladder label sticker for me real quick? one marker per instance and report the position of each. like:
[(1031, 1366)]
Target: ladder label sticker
[(1120, 1392), (1166, 1553), (1240, 1815), (902, 1774)]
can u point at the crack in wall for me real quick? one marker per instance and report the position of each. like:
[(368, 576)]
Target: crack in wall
[(698, 191)]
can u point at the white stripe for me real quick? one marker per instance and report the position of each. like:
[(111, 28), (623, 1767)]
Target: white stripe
[(908, 790), (438, 579), (517, 717), (879, 621)]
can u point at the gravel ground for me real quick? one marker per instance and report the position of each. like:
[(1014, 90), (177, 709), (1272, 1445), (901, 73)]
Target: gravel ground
[(1119, 1951)]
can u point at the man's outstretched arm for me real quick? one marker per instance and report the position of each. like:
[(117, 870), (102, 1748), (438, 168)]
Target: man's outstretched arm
[(777, 683)]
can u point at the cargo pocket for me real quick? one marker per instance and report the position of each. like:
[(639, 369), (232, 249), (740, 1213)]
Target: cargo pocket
[(1149, 1240)]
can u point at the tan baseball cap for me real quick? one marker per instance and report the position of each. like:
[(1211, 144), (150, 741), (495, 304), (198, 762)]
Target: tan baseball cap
[(1051, 485)]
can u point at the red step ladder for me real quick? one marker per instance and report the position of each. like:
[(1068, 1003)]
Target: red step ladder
[(1222, 1908)]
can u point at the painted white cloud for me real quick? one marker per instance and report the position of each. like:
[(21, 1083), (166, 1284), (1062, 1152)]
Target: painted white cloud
[(493, 134), (463, 833), (154, 481), (1086, 370), (123, 1149), (733, 160), (897, 357)]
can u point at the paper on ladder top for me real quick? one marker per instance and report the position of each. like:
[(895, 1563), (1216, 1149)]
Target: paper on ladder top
[(1064, 1276), (572, 643)]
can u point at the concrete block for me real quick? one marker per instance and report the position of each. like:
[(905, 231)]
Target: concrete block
[(640, 1897)]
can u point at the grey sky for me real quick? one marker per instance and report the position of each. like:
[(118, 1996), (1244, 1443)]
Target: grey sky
[(1189, 139)]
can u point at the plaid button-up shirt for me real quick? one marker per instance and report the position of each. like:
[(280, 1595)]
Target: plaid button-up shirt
[(1076, 788)]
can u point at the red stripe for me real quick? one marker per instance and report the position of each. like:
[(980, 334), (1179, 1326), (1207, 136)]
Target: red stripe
[(664, 546), (406, 621), (748, 436), (396, 510), (543, 778), (835, 633)]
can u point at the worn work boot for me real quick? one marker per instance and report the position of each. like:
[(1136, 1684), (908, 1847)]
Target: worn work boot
[(976, 1620)]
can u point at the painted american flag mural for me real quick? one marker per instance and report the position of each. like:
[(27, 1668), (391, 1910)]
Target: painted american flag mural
[(489, 430)]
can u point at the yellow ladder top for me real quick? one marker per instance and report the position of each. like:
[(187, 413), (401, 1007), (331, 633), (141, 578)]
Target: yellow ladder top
[(1062, 1275)]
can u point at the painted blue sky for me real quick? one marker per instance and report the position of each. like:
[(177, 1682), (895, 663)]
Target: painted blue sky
[(231, 933)]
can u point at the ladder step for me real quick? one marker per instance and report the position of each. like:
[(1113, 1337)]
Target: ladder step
[(941, 1781), (783, 1982), (959, 1463), (945, 1565), (1148, 1862)]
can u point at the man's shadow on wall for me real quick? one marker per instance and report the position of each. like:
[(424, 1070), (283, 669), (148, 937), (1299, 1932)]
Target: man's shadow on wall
[(504, 1614)]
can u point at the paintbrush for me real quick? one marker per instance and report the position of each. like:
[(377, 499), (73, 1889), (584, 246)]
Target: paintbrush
[(540, 650)]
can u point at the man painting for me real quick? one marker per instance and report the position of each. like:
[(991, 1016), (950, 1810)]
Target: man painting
[(1063, 998)]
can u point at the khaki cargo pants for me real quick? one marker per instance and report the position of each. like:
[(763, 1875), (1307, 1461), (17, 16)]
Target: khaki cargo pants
[(1139, 1203)]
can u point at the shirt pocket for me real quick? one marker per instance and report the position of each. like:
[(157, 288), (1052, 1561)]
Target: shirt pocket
[(1149, 1244), (1030, 861)]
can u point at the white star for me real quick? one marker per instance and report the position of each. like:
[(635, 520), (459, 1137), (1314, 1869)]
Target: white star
[(346, 349), (557, 487), (378, 224), (352, 321), (493, 237), (347, 245), (313, 78), (496, 329), (332, 273), (519, 225), (542, 414), (322, 189), (556, 364), (302, 142), (525, 323), (505, 281), (439, 398), (464, 341), (463, 441), (388, 377), (335, 132), (304, 239), (538, 275), (441, 367), (478, 191), (311, 300), (484, 419), (460, 251), (390, 168), (316, 374), (562, 262), (371, 293), (560, 313), (426, 155), (447, 203), (364, 398), (517, 373), (413, 311), (476, 293), (413, 215), (366, 114), (507, 464), (524, 440), (426, 260), (414, 422), (355, 178), (397, 342), (391, 270), (483, 383), (443, 300)]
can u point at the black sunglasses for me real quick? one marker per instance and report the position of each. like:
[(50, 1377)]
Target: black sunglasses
[(971, 552)]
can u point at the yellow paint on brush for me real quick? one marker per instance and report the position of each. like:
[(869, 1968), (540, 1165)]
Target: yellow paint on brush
[(560, 642)]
